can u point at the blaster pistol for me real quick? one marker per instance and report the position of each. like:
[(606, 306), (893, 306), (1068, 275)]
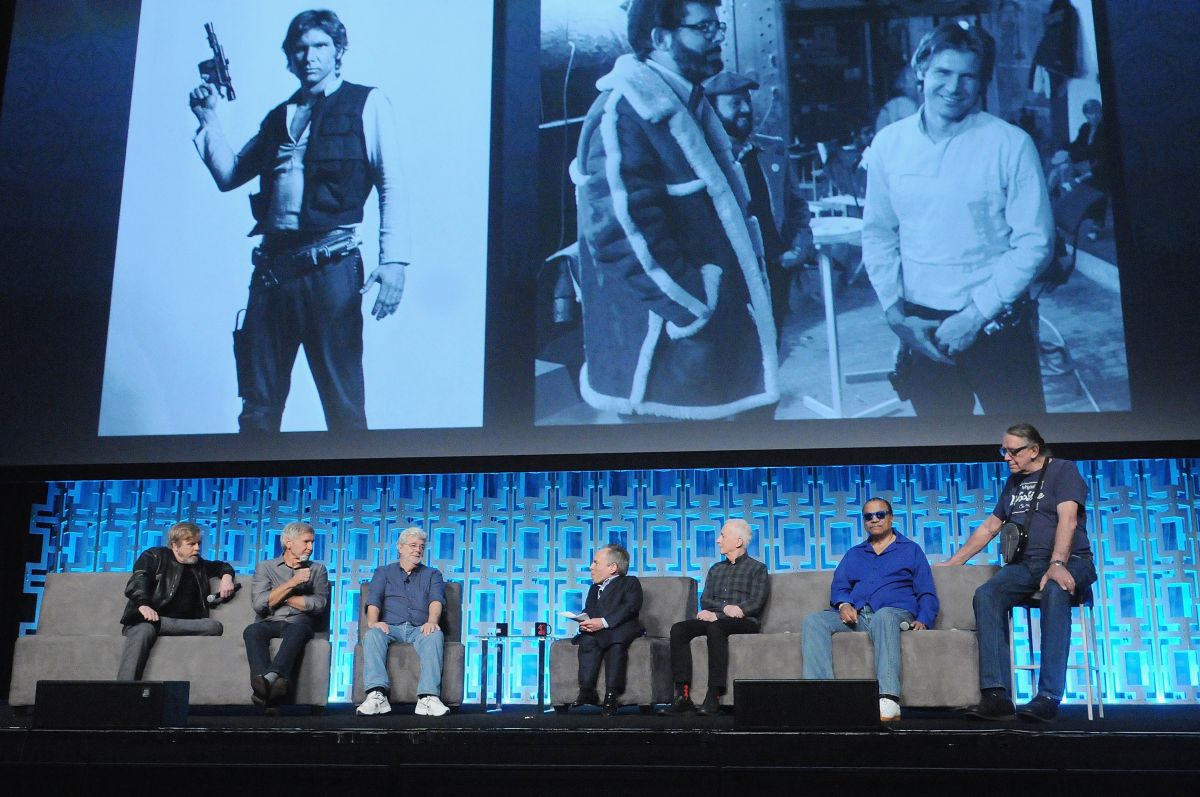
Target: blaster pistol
[(215, 71)]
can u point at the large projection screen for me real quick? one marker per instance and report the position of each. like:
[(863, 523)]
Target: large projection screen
[(129, 269)]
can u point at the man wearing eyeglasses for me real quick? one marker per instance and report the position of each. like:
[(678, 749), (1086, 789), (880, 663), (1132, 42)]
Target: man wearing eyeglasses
[(956, 226), (1050, 498), (882, 585), (404, 604), (676, 310)]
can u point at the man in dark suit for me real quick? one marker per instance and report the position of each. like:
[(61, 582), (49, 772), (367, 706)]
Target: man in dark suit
[(612, 624)]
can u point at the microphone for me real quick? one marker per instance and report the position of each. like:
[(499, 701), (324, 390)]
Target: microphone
[(905, 625), (215, 598)]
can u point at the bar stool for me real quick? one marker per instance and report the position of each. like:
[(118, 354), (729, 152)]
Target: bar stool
[(1091, 658)]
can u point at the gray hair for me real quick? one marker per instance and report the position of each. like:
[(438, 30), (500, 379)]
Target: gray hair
[(294, 529), (412, 531), (618, 556)]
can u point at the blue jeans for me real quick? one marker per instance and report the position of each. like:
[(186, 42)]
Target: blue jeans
[(993, 605), (429, 652), (883, 628)]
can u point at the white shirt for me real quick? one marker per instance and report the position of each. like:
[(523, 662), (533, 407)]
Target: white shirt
[(383, 155), (965, 219)]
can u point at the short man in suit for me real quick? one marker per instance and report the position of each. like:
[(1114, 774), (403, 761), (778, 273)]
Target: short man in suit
[(612, 608)]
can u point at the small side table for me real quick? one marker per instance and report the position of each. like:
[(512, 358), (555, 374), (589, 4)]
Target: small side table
[(501, 642)]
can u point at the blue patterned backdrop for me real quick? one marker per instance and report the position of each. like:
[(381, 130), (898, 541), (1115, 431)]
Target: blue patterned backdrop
[(520, 543)]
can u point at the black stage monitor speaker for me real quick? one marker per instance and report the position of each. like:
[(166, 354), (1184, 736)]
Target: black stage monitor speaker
[(805, 704), (110, 704)]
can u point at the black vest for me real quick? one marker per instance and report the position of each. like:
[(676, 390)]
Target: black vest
[(337, 176)]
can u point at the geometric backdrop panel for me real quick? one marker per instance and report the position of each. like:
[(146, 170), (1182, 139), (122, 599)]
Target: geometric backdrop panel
[(520, 543)]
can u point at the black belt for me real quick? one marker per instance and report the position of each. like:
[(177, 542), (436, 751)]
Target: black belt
[(287, 256)]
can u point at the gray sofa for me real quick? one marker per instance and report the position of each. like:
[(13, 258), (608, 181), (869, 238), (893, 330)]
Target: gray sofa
[(939, 666), (666, 600), (403, 666), (79, 639)]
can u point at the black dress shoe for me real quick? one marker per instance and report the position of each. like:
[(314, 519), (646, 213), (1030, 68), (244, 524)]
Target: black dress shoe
[(279, 691), (1040, 709), (680, 707), (610, 704), (993, 705), (260, 690), (586, 697), (711, 706)]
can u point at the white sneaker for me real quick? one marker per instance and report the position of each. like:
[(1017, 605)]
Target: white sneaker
[(375, 703), (431, 706), (889, 710)]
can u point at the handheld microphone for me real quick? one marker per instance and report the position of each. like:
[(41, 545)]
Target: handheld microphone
[(905, 625), (215, 599)]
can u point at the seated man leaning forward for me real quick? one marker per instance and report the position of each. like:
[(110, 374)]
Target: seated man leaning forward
[(612, 607), (882, 586), (168, 596), (735, 592), (404, 604), (288, 593)]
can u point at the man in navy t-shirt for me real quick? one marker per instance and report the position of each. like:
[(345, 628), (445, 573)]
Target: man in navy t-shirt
[(1057, 561)]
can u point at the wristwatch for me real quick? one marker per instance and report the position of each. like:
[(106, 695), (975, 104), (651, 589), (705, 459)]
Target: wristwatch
[(1058, 562)]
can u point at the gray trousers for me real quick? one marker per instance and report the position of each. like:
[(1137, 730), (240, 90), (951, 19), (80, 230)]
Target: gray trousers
[(141, 637)]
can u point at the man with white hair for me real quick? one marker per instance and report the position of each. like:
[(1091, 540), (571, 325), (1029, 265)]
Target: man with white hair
[(288, 594), (735, 592), (404, 604)]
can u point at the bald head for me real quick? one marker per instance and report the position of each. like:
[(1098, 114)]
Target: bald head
[(734, 538)]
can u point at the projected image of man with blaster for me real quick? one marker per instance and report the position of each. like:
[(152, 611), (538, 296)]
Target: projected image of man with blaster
[(317, 156)]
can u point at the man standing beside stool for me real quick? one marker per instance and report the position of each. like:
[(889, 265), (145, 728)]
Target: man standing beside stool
[(1057, 561)]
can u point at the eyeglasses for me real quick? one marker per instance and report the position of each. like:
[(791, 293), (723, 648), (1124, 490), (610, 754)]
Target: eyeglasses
[(1012, 452), (880, 515), (709, 28)]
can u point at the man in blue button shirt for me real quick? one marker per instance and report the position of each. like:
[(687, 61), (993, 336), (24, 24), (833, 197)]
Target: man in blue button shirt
[(881, 586), (404, 604)]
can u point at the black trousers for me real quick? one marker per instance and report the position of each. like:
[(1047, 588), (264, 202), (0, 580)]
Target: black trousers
[(718, 632), (1003, 369), (320, 310), (258, 636), (615, 656)]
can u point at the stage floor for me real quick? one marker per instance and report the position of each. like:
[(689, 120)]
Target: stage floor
[(1146, 748)]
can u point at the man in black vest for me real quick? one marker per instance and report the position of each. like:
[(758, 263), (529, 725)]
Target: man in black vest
[(317, 156), (612, 607), (790, 241)]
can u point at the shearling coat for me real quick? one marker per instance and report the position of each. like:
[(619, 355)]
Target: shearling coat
[(676, 312)]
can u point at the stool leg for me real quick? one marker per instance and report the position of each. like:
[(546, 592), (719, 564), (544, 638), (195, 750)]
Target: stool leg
[(1087, 657), (1012, 655)]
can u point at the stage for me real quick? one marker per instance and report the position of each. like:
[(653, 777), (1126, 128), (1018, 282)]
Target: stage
[(1140, 749)]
